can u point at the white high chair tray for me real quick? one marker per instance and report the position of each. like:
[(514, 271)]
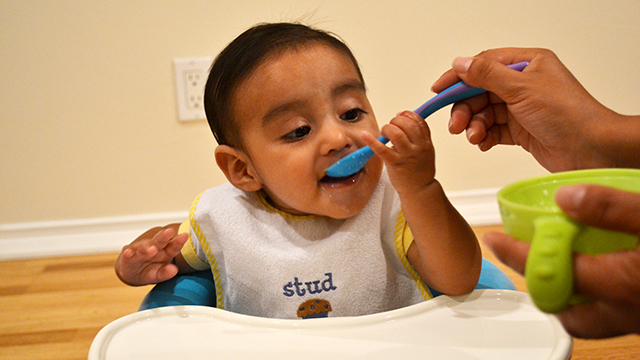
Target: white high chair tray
[(486, 324)]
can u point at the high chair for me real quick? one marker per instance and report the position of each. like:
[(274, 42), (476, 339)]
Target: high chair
[(493, 322)]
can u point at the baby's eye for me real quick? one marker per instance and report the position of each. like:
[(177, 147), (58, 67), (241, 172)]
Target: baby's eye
[(352, 115), (298, 133)]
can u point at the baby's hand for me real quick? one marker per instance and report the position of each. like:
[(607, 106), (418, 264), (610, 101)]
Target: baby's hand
[(411, 160), (149, 258)]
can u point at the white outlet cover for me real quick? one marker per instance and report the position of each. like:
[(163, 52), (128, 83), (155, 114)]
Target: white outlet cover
[(190, 78)]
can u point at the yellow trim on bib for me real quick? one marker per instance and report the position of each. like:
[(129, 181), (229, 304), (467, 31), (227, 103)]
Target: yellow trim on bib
[(188, 251), (207, 250), (407, 238), (401, 244)]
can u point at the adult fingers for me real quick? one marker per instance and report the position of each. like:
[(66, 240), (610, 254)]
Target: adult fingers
[(510, 251), (599, 319), (493, 76), (462, 112), (602, 207), (612, 276), (462, 65), (447, 79)]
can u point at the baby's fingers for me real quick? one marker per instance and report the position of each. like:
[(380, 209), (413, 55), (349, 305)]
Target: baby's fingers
[(412, 126), (378, 148), (157, 273), (146, 249), (162, 238), (127, 252), (175, 245), (142, 251), (408, 133)]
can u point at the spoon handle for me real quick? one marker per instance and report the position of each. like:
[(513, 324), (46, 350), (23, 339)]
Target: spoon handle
[(452, 94), (457, 92)]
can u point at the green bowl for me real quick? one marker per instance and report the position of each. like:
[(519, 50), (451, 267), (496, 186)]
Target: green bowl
[(529, 213)]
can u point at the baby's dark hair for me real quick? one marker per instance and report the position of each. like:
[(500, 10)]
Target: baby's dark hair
[(242, 56)]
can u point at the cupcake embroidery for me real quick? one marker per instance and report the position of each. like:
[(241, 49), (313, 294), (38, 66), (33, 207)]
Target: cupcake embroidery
[(314, 308)]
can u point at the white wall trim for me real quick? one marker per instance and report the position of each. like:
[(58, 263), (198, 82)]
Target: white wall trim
[(78, 236), (479, 207), (110, 234)]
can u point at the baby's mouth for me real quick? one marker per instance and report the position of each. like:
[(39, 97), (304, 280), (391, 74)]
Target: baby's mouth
[(329, 180)]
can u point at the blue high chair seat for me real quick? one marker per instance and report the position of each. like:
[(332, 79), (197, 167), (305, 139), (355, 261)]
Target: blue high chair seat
[(199, 289)]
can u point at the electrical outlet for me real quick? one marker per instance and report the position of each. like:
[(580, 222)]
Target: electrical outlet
[(191, 76)]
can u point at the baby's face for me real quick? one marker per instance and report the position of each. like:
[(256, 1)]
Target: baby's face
[(299, 113)]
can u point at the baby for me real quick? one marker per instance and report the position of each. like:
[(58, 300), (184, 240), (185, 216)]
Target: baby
[(284, 102)]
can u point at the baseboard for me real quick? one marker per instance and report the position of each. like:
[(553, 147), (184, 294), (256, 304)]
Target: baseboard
[(100, 235), (479, 207), (75, 237)]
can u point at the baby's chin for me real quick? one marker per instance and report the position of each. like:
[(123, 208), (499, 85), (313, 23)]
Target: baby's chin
[(349, 195), (325, 207), (344, 213)]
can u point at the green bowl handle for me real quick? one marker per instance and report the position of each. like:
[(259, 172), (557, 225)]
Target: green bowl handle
[(549, 267)]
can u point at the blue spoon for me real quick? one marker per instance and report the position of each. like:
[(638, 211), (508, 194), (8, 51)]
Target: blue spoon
[(352, 163)]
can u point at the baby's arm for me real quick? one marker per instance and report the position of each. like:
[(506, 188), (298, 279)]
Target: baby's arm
[(153, 257), (445, 252)]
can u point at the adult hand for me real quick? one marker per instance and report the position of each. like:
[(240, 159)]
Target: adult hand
[(543, 109), (611, 281)]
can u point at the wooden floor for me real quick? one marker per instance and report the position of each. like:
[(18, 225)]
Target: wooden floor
[(52, 308)]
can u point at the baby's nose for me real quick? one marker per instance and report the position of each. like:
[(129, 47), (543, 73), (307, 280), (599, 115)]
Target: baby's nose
[(336, 139)]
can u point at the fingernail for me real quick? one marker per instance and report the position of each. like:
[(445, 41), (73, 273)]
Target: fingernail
[(470, 133), (450, 123), (461, 64), (571, 197), (405, 113)]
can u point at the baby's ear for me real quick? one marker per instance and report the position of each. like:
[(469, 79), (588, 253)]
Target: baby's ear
[(237, 167)]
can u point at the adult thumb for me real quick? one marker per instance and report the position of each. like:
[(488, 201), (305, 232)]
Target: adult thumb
[(490, 75), (601, 206)]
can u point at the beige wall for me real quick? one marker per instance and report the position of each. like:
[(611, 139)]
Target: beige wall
[(89, 126)]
